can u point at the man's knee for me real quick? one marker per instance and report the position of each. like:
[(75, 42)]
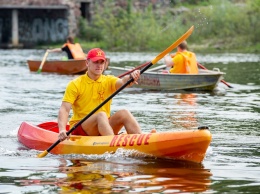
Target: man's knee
[(124, 113), (101, 115)]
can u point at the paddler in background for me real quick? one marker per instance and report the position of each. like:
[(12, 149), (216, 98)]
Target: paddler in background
[(73, 50), (183, 61)]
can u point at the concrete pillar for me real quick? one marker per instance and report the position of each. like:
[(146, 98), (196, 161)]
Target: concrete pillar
[(15, 33)]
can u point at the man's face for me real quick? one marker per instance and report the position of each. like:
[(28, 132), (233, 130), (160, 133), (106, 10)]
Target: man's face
[(96, 67)]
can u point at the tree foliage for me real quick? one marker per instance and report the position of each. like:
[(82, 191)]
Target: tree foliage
[(219, 24)]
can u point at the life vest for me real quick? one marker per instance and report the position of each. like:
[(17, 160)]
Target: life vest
[(76, 50), (190, 63)]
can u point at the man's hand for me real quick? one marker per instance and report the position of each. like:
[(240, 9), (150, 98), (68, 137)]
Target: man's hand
[(63, 135), (135, 75)]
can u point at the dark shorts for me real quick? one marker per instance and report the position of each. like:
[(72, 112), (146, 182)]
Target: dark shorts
[(79, 131)]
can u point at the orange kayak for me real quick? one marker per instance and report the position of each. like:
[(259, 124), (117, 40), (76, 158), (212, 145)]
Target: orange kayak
[(188, 145)]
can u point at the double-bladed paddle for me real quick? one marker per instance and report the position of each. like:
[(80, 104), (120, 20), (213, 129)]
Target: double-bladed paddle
[(43, 61), (155, 60)]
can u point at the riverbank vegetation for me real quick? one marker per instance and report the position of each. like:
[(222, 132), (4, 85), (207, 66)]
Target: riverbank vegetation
[(220, 26)]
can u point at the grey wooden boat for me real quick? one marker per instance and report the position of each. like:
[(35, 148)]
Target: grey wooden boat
[(154, 79)]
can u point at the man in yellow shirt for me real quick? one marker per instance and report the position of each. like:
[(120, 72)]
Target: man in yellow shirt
[(86, 92), (183, 61)]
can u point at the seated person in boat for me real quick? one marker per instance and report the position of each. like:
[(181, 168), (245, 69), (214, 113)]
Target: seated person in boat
[(88, 91), (73, 50), (183, 61)]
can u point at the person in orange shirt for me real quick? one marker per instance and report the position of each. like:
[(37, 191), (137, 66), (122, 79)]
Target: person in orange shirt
[(183, 61), (73, 50)]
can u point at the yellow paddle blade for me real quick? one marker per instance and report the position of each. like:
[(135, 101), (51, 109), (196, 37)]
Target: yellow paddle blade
[(174, 45), (43, 154)]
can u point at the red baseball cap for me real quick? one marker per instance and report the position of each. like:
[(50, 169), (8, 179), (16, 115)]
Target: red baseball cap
[(96, 54)]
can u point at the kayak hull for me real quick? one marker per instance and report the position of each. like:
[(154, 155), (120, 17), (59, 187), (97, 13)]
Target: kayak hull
[(189, 145)]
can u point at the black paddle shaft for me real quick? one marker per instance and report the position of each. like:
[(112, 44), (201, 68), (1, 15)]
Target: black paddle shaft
[(99, 106)]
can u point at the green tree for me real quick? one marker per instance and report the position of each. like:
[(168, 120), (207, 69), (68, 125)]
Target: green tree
[(219, 25)]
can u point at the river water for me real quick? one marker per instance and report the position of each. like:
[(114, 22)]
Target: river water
[(232, 163)]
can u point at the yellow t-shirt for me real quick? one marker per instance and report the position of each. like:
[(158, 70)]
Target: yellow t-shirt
[(185, 62), (86, 94)]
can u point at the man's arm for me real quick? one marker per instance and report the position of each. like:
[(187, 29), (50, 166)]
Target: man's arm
[(135, 74), (168, 61), (54, 50), (63, 119)]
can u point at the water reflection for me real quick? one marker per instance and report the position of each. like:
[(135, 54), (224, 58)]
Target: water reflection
[(184, 115), (127, 175), (86, 176)]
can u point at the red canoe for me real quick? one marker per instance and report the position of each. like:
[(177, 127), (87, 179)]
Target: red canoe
[(188, 145)]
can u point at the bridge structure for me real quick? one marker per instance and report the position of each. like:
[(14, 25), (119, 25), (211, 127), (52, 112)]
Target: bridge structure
[(30, 22)]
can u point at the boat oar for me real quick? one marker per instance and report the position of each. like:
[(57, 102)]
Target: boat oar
[(157, 68), (155, 60), (43, 61), (224, 82), (130, 71)]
